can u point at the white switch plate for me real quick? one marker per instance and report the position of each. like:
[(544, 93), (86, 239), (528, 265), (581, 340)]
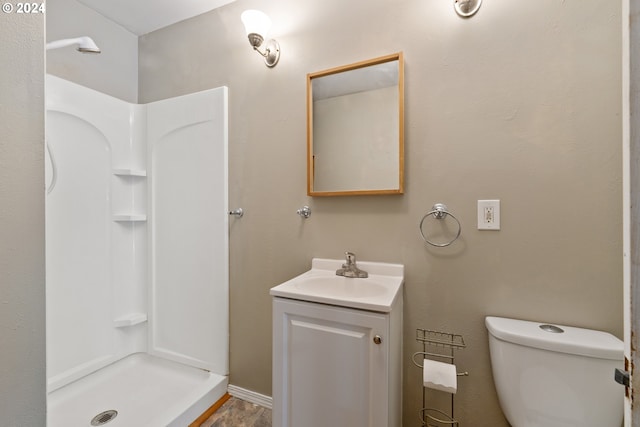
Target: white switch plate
[(488, 214)]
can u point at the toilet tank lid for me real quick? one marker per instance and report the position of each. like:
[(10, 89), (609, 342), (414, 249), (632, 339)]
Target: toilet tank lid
[(584, 342)]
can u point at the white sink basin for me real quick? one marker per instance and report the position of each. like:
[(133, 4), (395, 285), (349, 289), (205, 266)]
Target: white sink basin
[(320, 284), (340, 286)]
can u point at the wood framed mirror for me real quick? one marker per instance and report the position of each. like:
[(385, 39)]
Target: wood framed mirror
[(355, 129)]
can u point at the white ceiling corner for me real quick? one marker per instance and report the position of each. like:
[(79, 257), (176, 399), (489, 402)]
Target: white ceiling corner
[(144, 16)]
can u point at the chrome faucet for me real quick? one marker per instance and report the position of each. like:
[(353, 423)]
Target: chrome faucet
[(349, 268)]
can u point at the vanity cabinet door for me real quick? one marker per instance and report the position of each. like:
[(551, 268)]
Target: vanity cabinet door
[(329, 367)]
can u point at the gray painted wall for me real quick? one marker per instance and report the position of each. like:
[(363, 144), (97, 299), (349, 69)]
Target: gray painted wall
[(22, 292), (520, 103)]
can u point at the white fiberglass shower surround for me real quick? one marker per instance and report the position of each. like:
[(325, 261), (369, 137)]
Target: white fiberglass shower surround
[(137, 256)]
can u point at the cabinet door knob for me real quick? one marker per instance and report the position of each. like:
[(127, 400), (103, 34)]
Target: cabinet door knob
[(377, 339)]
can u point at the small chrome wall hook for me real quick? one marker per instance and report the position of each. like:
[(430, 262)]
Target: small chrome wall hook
[(237, 212), (304, 212)]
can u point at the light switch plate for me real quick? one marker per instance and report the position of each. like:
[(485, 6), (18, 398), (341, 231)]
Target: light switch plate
[(488, 214)]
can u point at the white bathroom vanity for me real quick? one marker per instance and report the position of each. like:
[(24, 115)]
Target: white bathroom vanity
[(337, 349)]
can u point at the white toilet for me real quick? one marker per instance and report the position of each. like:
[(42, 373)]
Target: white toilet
[(555, 376)]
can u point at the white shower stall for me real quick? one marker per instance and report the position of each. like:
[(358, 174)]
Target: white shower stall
[(137, 256)]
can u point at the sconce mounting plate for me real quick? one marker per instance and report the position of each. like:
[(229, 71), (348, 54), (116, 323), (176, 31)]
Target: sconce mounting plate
[(466, 8), (272, 53)]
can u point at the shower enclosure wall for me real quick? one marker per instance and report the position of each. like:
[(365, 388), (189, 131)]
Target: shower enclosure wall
[(137, 252)]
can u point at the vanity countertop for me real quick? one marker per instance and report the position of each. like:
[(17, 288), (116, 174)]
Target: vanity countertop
[(378, 292)]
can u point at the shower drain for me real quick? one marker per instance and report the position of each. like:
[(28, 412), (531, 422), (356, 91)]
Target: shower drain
[(104, 417)]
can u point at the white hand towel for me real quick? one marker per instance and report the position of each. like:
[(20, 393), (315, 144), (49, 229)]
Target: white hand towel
[(440, 376)]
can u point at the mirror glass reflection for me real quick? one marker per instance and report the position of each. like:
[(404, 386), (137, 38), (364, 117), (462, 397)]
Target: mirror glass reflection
[(355, 129)]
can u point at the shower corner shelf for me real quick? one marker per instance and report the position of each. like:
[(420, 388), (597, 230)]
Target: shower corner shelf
[(129, 320), (130, 172), (130, 218)]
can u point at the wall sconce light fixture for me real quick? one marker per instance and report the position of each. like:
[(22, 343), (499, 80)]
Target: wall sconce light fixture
[(257, 25), (466, 8)]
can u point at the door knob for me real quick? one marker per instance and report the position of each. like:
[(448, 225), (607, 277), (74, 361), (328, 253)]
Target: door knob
[(377, 339)]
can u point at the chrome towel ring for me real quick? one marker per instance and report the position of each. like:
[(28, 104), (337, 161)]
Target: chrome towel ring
[(439, 211)]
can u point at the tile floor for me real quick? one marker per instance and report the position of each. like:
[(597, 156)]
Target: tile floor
[(239, 413)]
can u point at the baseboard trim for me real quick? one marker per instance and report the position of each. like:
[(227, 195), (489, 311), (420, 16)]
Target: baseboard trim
[(250, 396)]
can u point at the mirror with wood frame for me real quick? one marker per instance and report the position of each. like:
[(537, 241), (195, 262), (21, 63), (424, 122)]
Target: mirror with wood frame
[(355, 129)]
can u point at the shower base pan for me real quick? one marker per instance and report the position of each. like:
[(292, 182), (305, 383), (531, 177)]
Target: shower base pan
[(144, 390)]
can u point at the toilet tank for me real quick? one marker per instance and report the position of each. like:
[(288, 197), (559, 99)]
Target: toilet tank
[(548, 378)]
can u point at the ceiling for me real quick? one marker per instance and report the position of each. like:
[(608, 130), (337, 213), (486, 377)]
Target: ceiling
[(143, 16)]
